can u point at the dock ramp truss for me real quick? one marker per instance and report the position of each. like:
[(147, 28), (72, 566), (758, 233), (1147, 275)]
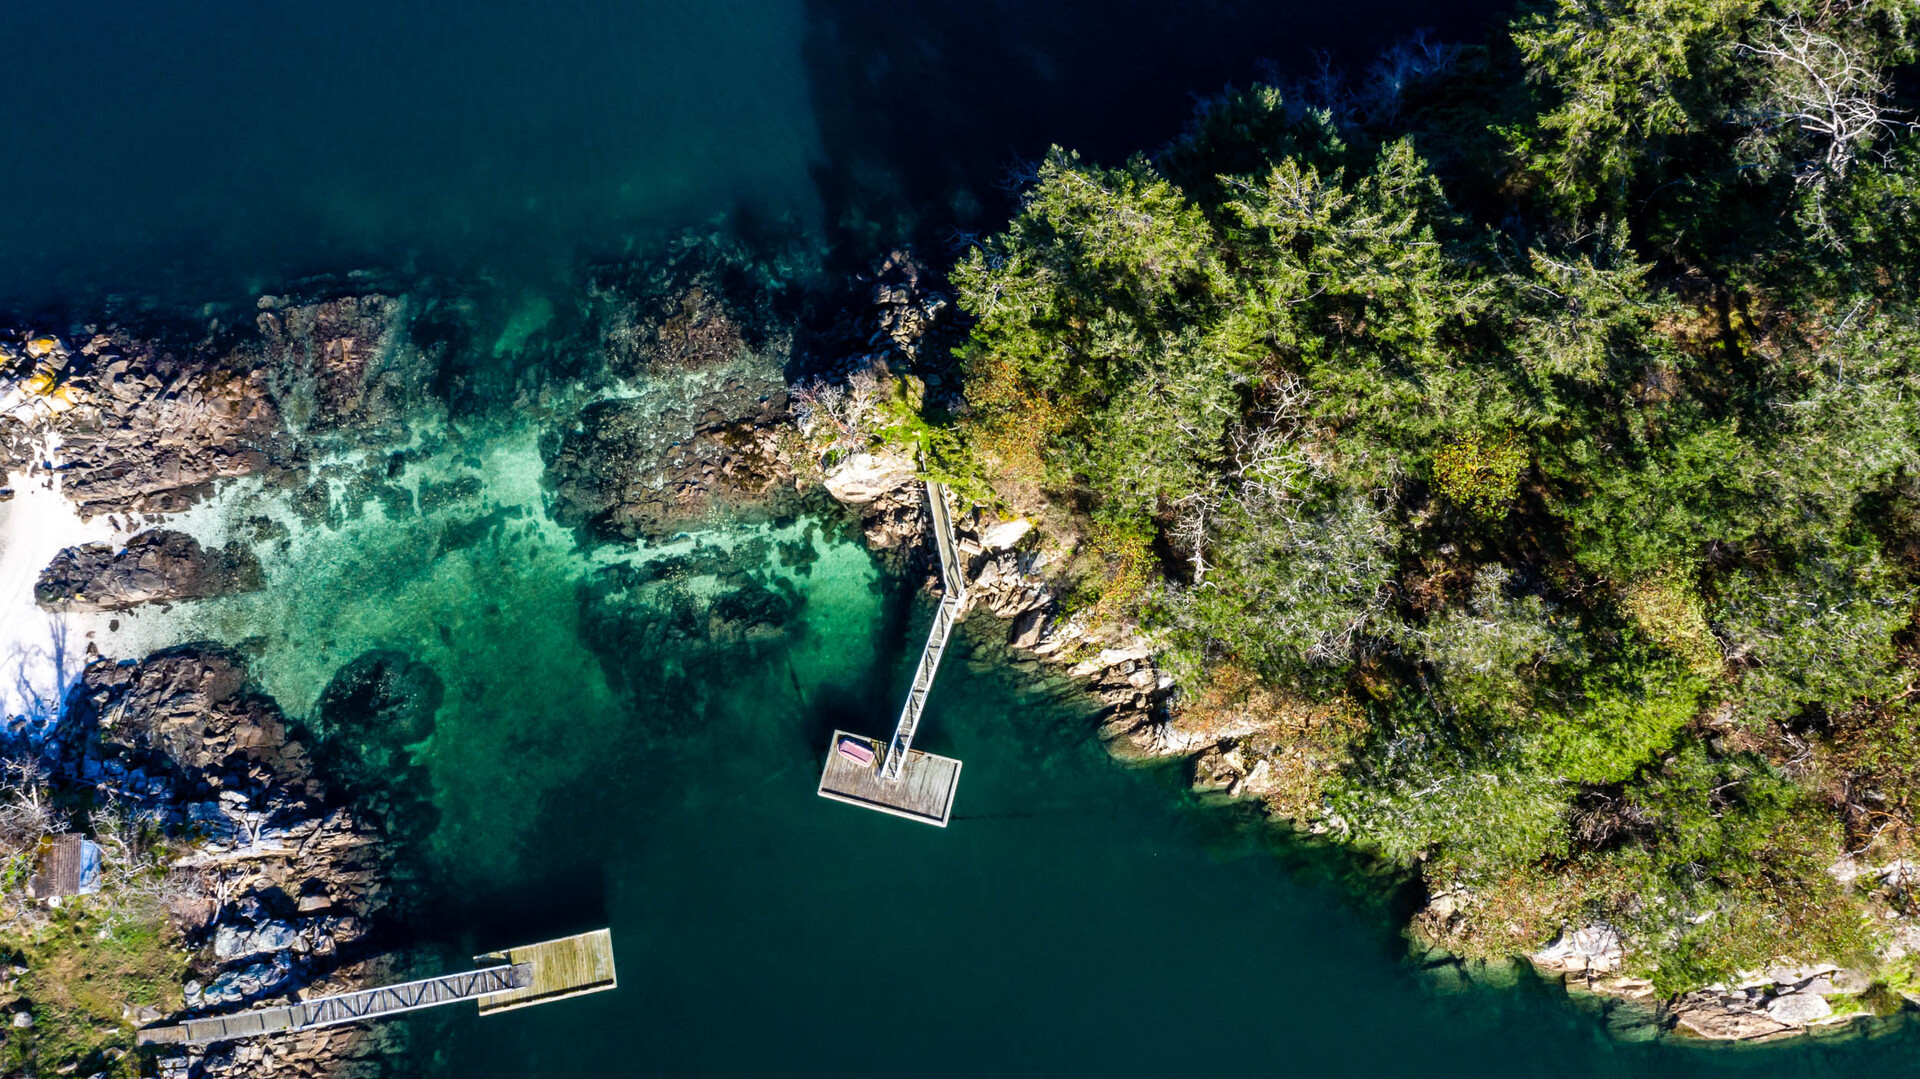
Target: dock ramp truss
[(536, 974), (902, 780)]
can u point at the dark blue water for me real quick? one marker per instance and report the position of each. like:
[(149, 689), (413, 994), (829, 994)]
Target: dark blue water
[(209, 150), (1077, 918)]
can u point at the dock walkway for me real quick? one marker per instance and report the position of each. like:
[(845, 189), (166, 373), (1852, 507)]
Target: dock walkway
[(535, 974), (902, 780)]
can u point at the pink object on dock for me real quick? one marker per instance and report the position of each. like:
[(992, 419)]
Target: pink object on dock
[(855, 751)]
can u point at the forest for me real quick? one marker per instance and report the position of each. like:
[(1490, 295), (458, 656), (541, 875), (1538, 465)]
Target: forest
[(1531, 427)]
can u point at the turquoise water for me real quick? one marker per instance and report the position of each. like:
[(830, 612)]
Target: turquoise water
[(589, 767)]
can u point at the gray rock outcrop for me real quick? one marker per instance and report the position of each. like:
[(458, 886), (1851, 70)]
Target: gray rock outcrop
[(155, 566), (292, 881)]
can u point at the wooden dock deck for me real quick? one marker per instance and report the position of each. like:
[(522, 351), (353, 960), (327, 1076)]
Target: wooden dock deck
[(924, 791), (568, 967)]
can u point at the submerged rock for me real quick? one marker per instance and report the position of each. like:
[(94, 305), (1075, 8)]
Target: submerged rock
[(373, 710), (699, 333), (630, 469), (384, 694), (752, 614), (155, 566)]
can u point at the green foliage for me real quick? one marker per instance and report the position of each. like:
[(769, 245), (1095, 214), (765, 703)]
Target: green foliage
[(1481, 474), (1734, 874), (1651, 493), (1629, 713), (1297, 587), (1622, 76), (1480, 818), (82, 969), (1666, 606), (1821, 636), (1088, 313), (1658, 345), (1485, 653)]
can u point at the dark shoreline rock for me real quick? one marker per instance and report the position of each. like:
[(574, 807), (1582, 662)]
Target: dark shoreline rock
[(292, 833)]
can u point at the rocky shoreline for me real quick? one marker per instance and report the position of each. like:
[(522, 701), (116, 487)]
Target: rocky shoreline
[(281, 882)]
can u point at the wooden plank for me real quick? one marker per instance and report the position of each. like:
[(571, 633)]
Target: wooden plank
[(924, 792), (567, 967), (68, 864)]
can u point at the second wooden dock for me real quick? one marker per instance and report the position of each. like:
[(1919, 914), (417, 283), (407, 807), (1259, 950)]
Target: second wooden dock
[(924, 791), (568, 967)]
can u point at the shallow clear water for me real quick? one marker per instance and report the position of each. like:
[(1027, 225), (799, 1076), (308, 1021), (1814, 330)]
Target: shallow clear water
[(1078, 917)]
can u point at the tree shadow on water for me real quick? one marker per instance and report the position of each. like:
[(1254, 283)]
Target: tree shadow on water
[(924, 117)]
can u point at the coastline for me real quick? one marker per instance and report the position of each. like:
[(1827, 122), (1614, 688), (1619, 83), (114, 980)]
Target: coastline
[(356, 384)]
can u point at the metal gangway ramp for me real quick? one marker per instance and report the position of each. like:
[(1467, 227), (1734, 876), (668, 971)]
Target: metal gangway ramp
[(550, 970), (898, 778)]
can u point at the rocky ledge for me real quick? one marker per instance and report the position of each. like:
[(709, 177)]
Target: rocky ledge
[(155, 566)]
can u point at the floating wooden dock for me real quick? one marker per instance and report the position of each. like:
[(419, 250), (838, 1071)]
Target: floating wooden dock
[(516, 978), (568, 967), (899, 779), (924, 791)]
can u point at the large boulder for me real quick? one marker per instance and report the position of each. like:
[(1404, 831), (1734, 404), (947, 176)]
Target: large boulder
[(1592, 948), (154, 426), (1723, 1024), (241, 941), (1798, 1009), (348, 362), (865, 477), (244, 984), (154, 566)]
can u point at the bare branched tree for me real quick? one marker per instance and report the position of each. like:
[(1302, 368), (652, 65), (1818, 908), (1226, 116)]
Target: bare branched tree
[(1265, 456), (133, 867), (26, 814), (838, 415), (1409, 61), (1823, 87), (27, 817)]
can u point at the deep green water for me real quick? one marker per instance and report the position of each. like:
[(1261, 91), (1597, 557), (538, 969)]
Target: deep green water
[(1078, 918)]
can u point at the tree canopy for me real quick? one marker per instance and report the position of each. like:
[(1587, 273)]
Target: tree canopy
[(1551, 404)]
